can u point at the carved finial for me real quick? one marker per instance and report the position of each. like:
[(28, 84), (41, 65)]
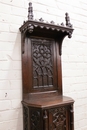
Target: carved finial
[(41, 20), (52, 22), (23, 22), (67, 18), (62, 24), (30, 11)]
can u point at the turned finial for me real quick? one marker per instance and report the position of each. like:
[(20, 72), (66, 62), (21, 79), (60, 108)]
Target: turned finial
[(67, 18), (30, 11)]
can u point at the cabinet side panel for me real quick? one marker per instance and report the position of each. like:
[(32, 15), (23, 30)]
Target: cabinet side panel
[(26, 68), (36, 119), (26, 118)]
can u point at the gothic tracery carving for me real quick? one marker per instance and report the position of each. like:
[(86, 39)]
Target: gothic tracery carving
[(42, 63), (35, 120), (25, 111), (59, 118)]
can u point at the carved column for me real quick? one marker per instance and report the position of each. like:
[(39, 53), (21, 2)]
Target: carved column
[(45, 120), (71, 117), (26, 117)]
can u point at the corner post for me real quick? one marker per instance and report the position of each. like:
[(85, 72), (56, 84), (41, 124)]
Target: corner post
[(71, 117)]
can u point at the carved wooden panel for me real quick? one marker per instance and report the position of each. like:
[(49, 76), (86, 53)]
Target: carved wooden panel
[(35, 119), (42, 63), (57, 118), (26, 118)]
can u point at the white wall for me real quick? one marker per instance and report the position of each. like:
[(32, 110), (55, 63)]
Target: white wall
[(74, 56)]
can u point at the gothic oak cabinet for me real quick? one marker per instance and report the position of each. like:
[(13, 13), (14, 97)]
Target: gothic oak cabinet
[(44, 106)]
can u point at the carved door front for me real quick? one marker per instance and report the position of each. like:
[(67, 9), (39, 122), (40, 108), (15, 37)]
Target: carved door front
[(59, 118)]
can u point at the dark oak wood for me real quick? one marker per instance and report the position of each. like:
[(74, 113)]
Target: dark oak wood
[(44, 106)]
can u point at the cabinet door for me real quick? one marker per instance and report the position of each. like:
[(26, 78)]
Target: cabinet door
[(59, 118)]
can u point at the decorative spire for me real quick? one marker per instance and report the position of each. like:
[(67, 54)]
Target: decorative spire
[(67, 18), (30, 12)]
